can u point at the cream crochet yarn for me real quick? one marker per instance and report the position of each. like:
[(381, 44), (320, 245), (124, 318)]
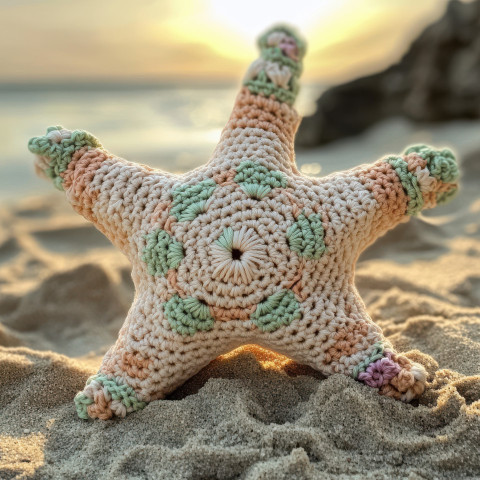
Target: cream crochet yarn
[(245, 249)]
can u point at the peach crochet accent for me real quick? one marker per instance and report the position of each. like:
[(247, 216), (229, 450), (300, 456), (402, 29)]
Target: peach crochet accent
[(244, 249)]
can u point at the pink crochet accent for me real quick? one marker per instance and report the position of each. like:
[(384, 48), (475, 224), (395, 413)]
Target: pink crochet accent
[(379, 373)]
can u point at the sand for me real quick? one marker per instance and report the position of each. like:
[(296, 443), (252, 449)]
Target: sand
[(251, 414)]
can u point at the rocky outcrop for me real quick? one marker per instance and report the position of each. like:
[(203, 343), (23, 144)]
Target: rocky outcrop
[(437, 79)]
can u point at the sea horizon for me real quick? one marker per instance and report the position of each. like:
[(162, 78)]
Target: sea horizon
[(174, 128)]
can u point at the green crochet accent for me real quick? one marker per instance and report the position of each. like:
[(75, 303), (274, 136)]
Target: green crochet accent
[(189, 200), (274, 54), (262, 84), (376, 354), (60, 154), (225, 240), (441, 163), (305, 236), (188, 315), (117, 390), (409, 183), (280, 309), (257, 180), (162, 252)]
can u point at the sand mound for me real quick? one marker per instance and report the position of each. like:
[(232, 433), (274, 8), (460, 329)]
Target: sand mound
[(254, 415), (73, 311)]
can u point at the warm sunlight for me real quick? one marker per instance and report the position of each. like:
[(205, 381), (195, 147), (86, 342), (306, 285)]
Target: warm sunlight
[(208, 40)]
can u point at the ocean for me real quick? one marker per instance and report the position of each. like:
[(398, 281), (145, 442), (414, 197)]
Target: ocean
[(175, 129)]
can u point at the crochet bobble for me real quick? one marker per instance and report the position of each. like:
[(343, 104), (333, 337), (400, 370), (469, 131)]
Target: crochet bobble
[(188, 316), (278, 310), (278, 69), (393, 374), (162, 252), (56, 148), (305, 236), (256, 180), (245, 249), (103, 397), (440, 166), (190, 200)]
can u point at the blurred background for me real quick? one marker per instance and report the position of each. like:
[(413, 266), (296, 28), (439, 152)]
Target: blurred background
[(155, 80)]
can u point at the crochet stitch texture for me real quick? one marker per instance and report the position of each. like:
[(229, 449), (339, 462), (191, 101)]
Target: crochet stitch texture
[(245, 249)]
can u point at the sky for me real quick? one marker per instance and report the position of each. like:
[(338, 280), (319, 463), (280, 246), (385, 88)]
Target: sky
[(198, 40)]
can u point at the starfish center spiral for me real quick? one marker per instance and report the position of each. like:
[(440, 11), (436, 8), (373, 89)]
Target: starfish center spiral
[(237, 255)]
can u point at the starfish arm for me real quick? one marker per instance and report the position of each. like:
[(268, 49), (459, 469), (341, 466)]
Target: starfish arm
[(379, 365), (420, 178), (371, 199), (336, 335), (263, 122), (147, 362), (101, 187)]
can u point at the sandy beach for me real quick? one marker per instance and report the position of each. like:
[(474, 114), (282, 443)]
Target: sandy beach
[(251, 414)]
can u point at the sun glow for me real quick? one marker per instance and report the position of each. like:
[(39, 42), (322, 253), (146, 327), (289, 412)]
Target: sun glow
[(208, 40), (343, 36)]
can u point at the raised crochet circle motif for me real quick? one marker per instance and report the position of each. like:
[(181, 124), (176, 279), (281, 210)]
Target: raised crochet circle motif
[(238, 256), (191, 200), (161, 253), (280, 309), (257, 231), (257, 180), (188, 315), (305, 236)]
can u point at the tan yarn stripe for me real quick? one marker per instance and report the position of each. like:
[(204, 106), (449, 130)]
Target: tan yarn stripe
[(80, 172), (226, 314), (255, 111), (382, 180), (225, 178), (414, 161)]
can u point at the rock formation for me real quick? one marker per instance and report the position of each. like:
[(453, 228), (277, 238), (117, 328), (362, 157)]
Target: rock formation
[(437, 79)]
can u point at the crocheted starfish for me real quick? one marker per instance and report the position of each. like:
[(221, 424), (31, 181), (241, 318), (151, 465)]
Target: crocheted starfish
[(245, 249)]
